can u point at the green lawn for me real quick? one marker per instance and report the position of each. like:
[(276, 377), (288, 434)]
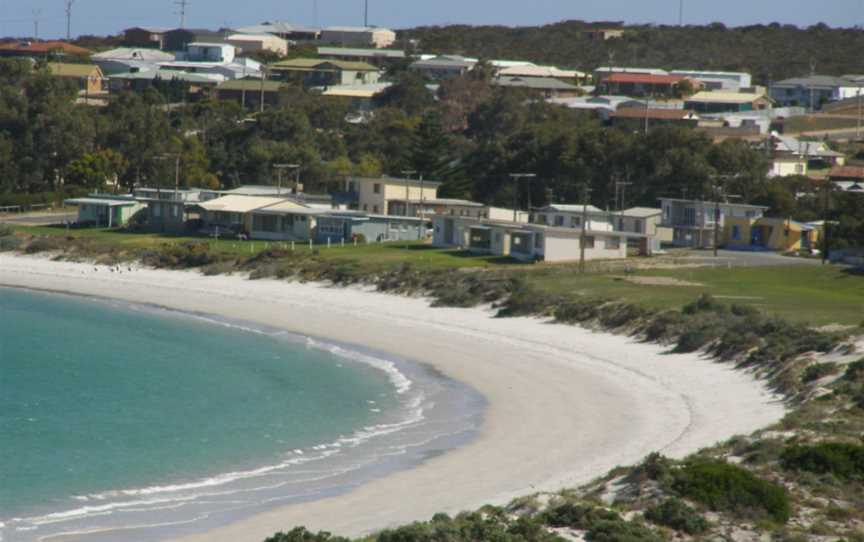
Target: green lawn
[(813, 294)]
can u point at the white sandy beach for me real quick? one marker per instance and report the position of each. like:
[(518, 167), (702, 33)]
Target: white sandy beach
[(565, 404)]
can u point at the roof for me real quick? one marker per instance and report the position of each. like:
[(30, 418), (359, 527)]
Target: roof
[(540, 71), (130, 53), (803, 148), (168, 75), (287, 206), (251, 85), (624, 69), (356, 91), (101, 201), (443, 201), (239, 204), (641, 212), (847, 172), (657, 114), (725, 97), (360, 53), (643, 78), (444, 62), (259, 36), (411, 182), (256, 190), (278, 27), (570, 208), (815, 81), (44, 47), (80, 71), (358, 29), (151, 29), (726, 204), (540, 83), (318, 64)]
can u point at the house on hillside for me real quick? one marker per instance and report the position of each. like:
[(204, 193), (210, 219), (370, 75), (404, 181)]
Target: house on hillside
[(443, 66), (361, 97), (125, 59), (376, 57), (251, 43), (635, 118), (286, 31), (142, 80), (179, 39), (693, 222), (88, 77), (544, 72), (359, 36), (813, 91), (850, 174), (531, 242), (603, 34), (562, 215), (249, 92), (546, 87), (42, 49), (638, 84), (146, 37), (313, 72), (722, 81), (386, 195), (727, 102)]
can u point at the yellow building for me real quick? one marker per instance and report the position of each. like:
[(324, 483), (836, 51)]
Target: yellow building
[(774, 234), (387, 195)]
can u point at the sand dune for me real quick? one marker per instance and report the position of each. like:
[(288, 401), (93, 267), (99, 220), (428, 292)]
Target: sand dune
[(565, 404)]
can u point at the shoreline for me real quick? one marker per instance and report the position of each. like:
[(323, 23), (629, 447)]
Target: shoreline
[(565, 404)]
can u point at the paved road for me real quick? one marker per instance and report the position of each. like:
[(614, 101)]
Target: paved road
[(750, 259), (38, 219)]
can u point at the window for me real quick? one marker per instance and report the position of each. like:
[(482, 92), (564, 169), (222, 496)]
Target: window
[(174, 211), (575, 221), (538, 241), (497, 237), (613, 243), (689, 216), (541, 219), (620, 224), (751, 214), (736, 233), (365, 207), (589, 242), (376, 188), (157, 210), (559, 220)]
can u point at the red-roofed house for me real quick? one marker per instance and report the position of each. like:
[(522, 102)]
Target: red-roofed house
[(846, 173), (637, 117), (643, 84), (42, 49)]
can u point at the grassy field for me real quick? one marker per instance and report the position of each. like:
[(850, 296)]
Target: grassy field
[(810, 294)]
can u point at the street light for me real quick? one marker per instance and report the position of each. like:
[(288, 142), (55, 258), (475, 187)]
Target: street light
[(279, 168), (516, 178)]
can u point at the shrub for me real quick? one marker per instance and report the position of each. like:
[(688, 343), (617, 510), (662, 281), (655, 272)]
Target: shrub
[(727, 488), (300, 534), (705, 303), (843, 460), (9, 243), (621, 531), (819, 371), (44, 244), (855, 371), (675, 514), (577, 516)]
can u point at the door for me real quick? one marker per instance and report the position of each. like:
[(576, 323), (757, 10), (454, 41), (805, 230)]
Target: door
[(448, 232)]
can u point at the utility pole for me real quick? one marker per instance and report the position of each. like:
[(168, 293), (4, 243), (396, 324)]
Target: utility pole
[(407, 173), (36, 14), (718, 193), (680, 12), (176, 157), (366, 15), (586, 192), (182, 4), (69, 19), (516, 178)]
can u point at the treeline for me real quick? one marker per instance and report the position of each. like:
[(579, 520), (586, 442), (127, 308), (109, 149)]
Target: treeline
[(769, 52)]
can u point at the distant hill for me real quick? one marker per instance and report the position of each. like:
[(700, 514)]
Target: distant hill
[(767, 51)]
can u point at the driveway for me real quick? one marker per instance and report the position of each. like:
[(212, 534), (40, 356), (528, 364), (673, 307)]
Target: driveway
[(738, 258), (38, 219)]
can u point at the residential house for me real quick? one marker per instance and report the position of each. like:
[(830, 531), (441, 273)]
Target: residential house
[(287, 220), (105, 210), (727, 102), (638, 84), (360, 96), (125, 60), (232, 214), (386, 195), (770, 234), (249, 93), (571, 216), (545, 72), (454, 207), (147, 37), (313, 72), (348, 226), (723, 81), (286, 31), (142, 80), (88, 77), (169, 210), (217, 59), (222, 53), (376, 57), (359, 36), (644, 220), (784, 166), (544, 86), (443, 66), (814, 91), (42, 49), (180, 38), (530, 242), (603, 34), (849, 174), (635, 118), (251, 43), (693, 222), (812, 154)]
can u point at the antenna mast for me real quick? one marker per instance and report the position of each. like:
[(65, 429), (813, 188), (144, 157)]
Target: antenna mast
[(366, 15), (69, 4), (182, 4), (680, 12), (36, 14)]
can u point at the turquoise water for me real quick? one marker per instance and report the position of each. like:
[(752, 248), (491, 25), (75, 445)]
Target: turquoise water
[(108, 412)]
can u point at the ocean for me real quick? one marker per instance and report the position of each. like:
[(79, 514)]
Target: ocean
[(126, 422)]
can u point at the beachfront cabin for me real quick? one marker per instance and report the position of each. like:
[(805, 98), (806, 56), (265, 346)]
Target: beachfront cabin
[(560, 215), (233, 214), (771, 234), (287, 220), (105, 210), (453, 207), (694, 224), (168, 210), (645, 220), (336, 226), (386, 195), (532, 242)]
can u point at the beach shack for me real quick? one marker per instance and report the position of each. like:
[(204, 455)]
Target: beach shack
[(338, 226), (287, 220), (233, 214), (108, 211), (771, 234)]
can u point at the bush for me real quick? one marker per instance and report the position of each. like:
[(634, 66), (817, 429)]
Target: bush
[(577, 516), (300, 534), (855, 371), (843, 460), (819, 371), (727, 488), (621, 531), (705, 303), (675, 514)]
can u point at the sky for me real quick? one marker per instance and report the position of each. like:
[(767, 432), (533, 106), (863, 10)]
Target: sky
[(105, 17)]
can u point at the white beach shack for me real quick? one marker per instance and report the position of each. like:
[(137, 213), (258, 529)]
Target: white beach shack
[(233, 214), (287, 220), (531, 242), (105, 210)]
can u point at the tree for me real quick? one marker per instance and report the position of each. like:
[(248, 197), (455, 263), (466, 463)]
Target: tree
[(95, 170), (408, 94)]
